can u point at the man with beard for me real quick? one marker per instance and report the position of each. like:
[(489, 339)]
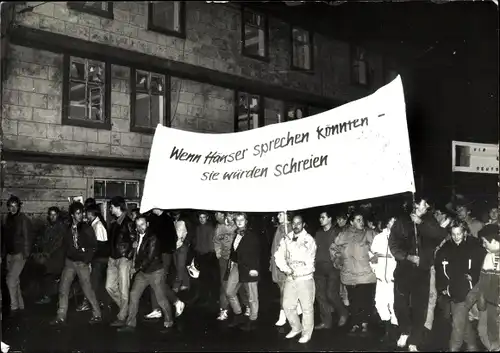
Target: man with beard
[(414, 253), (51, 255), (295, 257)]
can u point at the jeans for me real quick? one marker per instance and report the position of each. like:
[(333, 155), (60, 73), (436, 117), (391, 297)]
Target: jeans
[(157, 282), (252, 289), (461, 328), (411, 286), (489, 327), (300, 291), (172, 298), (362, 302), (81, 270), (180, 257), (223, 301), (327, 281), (98, 279), (118, 284), (15, 266)]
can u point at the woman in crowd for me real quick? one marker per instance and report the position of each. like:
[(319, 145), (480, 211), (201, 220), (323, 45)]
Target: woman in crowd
[(350, 254)]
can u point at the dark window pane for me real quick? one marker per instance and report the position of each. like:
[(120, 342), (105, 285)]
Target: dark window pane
[(131, 191), (95, 72), (248, 112), (77, 70), (99, 189), (98, 5), (157, 84), (255, 41), (301, 49), (254, 19), (142, 108), (166, 14), (273, 111), (77, 101), (96, 98), (115, 188), (142, 83)]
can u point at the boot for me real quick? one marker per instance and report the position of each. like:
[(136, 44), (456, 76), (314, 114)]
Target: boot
[(282, 319), (237, 320)]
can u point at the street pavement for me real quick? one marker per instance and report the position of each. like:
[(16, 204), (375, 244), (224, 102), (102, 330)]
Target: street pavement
[(196, 330)]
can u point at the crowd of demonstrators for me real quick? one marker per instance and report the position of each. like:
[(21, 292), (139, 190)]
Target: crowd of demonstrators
[(394, 264)]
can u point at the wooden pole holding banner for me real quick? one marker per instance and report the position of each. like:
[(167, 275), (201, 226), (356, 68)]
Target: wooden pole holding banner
[(415, 225)]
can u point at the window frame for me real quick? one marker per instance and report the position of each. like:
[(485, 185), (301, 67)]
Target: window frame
[(80, 6), (353, 59), (65, 118), (311, 50), (158, 29), (260, 118), (133, 91), (289, 105), (105, 200), (264, 58)]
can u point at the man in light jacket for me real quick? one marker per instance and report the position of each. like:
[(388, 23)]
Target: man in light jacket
[(295, 257)]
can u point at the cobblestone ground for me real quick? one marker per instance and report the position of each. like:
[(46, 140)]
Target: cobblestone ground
[(197, 330)]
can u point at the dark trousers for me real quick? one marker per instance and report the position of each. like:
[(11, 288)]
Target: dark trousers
[(362, 302), (82, 270), (209, 276), (461, 328), (49, 283), (98, 279), (157, 282), (327, 280), (172, 298), (411, 298)]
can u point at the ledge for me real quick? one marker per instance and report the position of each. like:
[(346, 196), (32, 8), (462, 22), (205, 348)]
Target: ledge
[(68, 159)]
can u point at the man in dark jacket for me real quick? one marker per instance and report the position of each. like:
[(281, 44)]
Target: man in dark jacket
[(18, 241), (414, 254), (79, 244), (458, 265), (243, 269), (120, 259), (51, 253), (148, 270), (162, 225)]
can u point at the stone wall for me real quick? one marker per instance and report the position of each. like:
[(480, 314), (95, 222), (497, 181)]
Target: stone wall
[(213, 40)]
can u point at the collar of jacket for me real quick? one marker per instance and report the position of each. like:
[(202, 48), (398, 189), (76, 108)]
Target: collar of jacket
[(95, 221), (294, 237), (120, 219)]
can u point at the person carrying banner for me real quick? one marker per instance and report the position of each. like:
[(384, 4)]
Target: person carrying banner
[(412, 242)]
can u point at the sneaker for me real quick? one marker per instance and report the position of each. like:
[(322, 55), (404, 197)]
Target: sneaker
[(412, 348), (95, 320), (179, 308), (223, 316), (118, 323), (364, 327), (83, 307), (247, 312), (342, 320), (44, 300), (354, 330), (282, 319), (183, 288), (293, 334), (402, 341), (155, 314), (304, 339), (57, 322)]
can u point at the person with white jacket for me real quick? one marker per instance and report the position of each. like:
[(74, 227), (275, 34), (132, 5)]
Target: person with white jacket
[(295, 257), (383, 265)]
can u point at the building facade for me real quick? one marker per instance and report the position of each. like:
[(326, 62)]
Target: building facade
[(86, 83)]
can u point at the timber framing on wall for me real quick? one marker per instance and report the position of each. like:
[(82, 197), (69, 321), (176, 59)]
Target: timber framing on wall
[(58, 43)]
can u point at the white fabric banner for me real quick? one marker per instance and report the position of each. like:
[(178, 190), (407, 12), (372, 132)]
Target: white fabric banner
[(357, 151)]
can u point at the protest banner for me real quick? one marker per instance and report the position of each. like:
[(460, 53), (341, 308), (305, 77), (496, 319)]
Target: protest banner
[(357, 151)]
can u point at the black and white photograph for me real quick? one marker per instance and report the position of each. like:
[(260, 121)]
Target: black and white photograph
[(249, 176)]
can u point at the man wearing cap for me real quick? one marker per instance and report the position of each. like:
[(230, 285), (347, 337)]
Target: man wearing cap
[(18, 246)]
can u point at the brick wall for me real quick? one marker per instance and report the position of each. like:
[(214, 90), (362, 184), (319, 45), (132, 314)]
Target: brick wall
[(213, 41)]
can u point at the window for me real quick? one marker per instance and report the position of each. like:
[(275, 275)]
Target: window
[(295, 111), (248, 112), (301, 49), (149, 103), (360, 68), (167, 17), (98, 8), (273, 111), (255, 35), (86, 93), (104, 190)]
